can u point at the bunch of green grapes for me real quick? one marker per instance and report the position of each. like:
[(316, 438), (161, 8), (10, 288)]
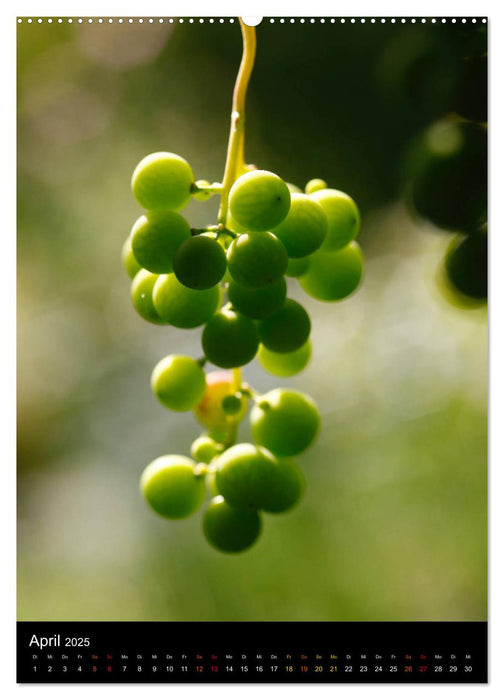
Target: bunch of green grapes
[(449, 181), (230, 280)]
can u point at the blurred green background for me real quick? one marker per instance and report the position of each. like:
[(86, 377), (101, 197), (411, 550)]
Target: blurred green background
[(393, 523)]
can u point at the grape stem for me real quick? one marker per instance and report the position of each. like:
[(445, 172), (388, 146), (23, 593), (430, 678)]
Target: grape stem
[(235, 160)]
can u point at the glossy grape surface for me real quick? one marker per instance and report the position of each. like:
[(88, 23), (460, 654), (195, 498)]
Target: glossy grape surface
[(205, 448), (130, 263), (199, 262), (343, 218), (259, 200), (181, 306), (303, 230), (155, 237), (171, 487), (333, 275), (141, 295), (257, 259), (229, 339), (162, 181), (209, 411), (178, 382), (284, 364), (228, 529), (287, 329), (245, 476), (257, 303)]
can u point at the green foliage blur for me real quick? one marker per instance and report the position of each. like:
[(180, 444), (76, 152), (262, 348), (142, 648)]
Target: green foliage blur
[(393, 522)]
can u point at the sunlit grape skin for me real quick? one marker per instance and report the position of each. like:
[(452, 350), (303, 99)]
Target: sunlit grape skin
[(333, 275), (183, 307), (130, 263), (286, 489), (178, 382), (256, 260), (229, 339), (303, 230), (141, 295), (162, 181), (171, 487), (204, 449), (245, 473), (228, 529), (284, 421), (199, 262), (259, 200), (257, 303), (287, 329), (284, 364), (155, 237), (343, 217), (208, 412)]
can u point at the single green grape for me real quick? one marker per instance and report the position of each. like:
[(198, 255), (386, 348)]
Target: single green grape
[(228, 529), (209, 411), (171, 487), (205, 448), (285, 489), (229, 339), (303, 230), (183, 307), (293, 188), (259, 200), (202, 195), (333, 275), (284, 421), (162, 181), (343, 218), (130, 263), (245, 475), (155, 237), (178, 382), (287, 329), (297, 267), (284, 364), (141, 296), (232, 405), (257, 303), (257, 259), (199, 263), (315, 185), (466, 265), (211, 484)]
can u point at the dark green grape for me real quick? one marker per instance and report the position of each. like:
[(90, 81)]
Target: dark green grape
[(343, 218), (284, 364), (199, 263), (257, 303), (205, 448), (284, 421), (315, 185), (130, 263), (162, 181), (171, 486), (466, 265), (259, 200), (287, 329), (228, 529), (181, 306), (304, 228), (231, 405), (285, 489), (333, 275), (178, 382), (141, 296), (155, 237), (450, 179), (257, 259), (297, 267), (245, 475), (471, 100), (229, 339)]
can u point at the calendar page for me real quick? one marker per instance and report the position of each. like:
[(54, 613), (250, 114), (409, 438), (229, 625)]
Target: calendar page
[(252, 349)]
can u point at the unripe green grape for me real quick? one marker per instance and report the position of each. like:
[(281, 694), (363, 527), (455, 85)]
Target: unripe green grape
[(203, 195), (257, 259), (257, 303), (343, 218), (466, 265), (141, 295), (259, 200), (155, 237), (228, 529), (209, 411), (303, 230), (211, 484), (162, 181), (130, 263), (285, 489), (171, 487), (229, 339), (181, 306), (284, 364), (293, 188), (231, 405), (205, 448), (315, 185), (199, 263), (178, 382), (333, 275), (245, 475), (297, 267), (287, 329), (284, 421)]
